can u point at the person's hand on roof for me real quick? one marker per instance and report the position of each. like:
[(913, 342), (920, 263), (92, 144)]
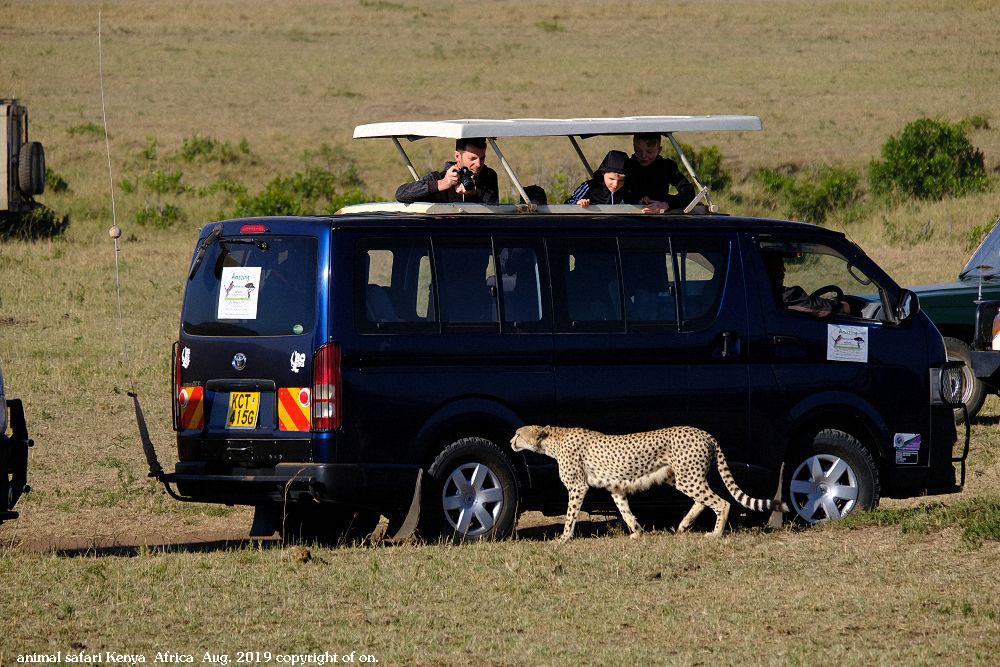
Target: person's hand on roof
[(583, 203)]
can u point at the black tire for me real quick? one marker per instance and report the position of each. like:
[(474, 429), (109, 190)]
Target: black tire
[(471, 493), (832, 494), (975, 391), (31, 169), (330, 525)]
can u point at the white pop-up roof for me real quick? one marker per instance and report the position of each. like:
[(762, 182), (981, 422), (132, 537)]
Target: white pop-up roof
[(554, 127), (491, 129)]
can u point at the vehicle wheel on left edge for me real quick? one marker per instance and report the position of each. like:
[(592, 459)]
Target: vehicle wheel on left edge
[(471, 493)]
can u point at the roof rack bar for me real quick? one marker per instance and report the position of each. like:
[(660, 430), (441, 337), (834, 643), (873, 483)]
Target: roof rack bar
[(406, 159), (510, 172), (583, 158), (702, 190)]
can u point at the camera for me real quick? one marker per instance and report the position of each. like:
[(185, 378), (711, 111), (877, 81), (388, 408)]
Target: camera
[(467, 179)]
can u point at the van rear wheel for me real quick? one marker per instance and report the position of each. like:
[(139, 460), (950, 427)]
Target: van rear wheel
[(471, 493), (831, 477)]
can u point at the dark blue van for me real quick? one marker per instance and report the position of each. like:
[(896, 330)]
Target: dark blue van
[(330, 370)]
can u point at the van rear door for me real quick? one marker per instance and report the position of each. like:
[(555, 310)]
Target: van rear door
[(252, 318)]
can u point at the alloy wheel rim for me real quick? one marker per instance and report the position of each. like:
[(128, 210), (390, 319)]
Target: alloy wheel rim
[(472, 499), (824, 487)]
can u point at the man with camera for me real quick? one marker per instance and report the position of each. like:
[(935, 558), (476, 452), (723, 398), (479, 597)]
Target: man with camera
[(467, 179)]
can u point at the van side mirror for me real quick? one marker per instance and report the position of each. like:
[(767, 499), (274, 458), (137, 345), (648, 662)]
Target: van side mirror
[(908, 306)]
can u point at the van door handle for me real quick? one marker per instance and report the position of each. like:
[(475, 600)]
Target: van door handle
[(786, 340), (730, 344)]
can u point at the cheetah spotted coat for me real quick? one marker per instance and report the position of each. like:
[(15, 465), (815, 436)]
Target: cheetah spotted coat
[(680, 456)]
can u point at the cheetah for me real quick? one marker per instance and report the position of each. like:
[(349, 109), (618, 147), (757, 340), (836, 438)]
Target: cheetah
[(680, 456)]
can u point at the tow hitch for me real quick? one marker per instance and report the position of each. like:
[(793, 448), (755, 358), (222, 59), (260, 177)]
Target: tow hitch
[(14, 461)]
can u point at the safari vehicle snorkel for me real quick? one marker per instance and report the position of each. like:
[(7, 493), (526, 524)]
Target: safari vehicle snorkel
[(571, 128)]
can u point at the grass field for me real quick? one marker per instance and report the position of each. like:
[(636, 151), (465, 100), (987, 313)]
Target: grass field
[(201, 95)]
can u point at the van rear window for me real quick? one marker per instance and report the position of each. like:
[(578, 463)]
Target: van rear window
[(253, 286)]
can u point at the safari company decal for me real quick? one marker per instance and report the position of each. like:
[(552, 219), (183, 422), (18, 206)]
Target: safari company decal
[(846, 343), (238, 293), (293, 409), (298, 360), (907, 446), (186, 357)]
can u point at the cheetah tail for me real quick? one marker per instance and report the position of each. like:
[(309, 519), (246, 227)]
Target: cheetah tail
[(755, 504)]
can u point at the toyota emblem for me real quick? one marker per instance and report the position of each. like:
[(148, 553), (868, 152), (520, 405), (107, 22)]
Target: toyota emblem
[(240, 361)]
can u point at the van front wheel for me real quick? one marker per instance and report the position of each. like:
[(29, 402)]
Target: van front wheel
[(471, 494), (831, 477)]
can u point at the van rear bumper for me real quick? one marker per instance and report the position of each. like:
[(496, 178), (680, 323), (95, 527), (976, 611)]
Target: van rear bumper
[(377, 486)]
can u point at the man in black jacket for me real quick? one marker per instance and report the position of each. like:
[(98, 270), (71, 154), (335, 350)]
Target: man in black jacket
[(446, 186), (649, 175)]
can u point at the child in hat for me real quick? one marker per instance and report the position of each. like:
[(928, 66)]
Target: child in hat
[(608, 184)]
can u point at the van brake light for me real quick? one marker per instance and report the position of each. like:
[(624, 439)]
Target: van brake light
[(327, 405), (253, 229)]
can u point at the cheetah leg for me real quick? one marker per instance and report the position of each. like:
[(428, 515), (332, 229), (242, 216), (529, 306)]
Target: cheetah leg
[(689, 518), (622, 502), (721, 508), (576, 494)]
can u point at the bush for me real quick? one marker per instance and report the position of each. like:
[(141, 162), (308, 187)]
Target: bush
[(978, 233), (86, 128), (930, 159), (707, 165), (814, 195), (160, 215), (196, 146), (38, 222), (163, 183), (55, 182), (308, 192)]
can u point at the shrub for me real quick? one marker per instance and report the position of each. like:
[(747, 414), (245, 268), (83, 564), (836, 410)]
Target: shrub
[(303, 193), (559, 188), (160, 215), (38, 222), (163, 183), (814, 195), (225, 184), (149, 152), (55, 182), (707, 165), (978, 233), (86, 128), (929, 159), (196, 146)]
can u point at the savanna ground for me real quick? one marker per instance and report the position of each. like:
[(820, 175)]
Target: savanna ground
[(263, 86)]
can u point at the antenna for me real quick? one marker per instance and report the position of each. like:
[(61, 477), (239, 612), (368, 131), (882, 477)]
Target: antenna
[(115, 232)]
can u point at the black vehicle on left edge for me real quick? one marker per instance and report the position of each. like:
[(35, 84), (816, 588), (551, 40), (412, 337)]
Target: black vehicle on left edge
[(13, 454)]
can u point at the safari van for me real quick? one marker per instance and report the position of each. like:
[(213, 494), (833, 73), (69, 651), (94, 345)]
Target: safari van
[(329, 370)]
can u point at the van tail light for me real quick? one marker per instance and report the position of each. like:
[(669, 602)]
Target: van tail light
[(327, 401), (175, 384)]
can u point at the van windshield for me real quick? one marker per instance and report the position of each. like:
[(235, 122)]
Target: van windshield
[(253, 286)]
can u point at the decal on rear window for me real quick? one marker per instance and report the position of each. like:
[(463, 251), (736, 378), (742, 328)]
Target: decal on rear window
[(238, 293)]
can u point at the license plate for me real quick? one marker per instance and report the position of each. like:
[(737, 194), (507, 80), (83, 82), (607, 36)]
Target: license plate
[(243, 409)]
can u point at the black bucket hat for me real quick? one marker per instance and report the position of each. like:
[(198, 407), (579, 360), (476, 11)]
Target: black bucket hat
[(614, 162)]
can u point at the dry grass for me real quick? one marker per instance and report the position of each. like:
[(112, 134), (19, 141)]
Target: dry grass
[(831, 81)]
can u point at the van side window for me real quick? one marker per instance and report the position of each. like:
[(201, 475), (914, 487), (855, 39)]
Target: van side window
[(701, 273), (520, 278), (648, 272), (396, 286), (466, 283), (585, 285)]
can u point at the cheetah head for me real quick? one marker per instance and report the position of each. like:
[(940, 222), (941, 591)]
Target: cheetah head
[(529, 438)]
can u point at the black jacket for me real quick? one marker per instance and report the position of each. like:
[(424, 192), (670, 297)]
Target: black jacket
[(597, 192), (425, 189), (654, 182)]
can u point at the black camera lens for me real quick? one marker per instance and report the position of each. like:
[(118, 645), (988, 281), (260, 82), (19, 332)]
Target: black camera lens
[(467, 178)]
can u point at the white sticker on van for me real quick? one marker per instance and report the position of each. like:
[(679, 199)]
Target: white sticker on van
[(186, 357), (298, 360), (907, 446), (846, 343), (238, 293)]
